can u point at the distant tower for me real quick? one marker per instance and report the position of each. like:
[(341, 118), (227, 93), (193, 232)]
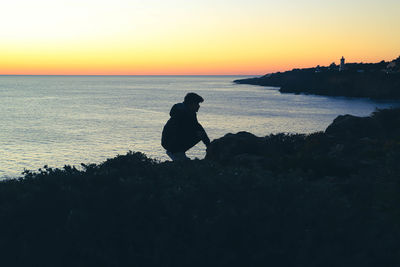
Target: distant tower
[(341, 68)]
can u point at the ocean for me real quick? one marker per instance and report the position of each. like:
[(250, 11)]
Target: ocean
[(68, 120)]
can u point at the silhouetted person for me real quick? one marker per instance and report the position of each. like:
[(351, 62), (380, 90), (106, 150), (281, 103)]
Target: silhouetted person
[(183, 131)]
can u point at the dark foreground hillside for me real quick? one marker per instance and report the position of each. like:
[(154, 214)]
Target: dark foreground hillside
[(326, 199)]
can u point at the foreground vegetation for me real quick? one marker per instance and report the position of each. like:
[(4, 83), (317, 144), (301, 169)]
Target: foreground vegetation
[(302, 207)]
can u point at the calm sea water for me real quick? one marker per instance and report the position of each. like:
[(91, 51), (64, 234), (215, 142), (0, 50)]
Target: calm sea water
[(59, 120)]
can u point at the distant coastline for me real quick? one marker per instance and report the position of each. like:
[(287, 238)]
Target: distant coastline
[(373, 80)]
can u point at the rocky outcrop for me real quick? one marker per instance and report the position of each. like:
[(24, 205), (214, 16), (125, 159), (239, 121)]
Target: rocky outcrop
[(245, 148), (236, 146), (351, 127), (382, 124), (350, 144)]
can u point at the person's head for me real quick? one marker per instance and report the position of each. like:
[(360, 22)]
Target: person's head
[(192, 101)]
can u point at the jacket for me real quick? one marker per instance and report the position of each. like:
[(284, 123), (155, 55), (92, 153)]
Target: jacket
[(181, 132)]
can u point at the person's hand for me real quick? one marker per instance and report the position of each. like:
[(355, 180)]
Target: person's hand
[(203, 136)]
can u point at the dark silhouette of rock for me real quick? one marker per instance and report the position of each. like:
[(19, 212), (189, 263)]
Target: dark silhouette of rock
[(235, 146), (349, 126), (347, 146)]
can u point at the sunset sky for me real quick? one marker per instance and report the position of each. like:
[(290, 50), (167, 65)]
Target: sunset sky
[(162, 37)]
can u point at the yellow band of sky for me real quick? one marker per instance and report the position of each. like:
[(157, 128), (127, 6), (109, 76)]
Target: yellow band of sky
[(192, 37)]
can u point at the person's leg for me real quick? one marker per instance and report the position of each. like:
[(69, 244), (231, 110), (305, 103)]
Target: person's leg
[(190, 142), (177, 156)]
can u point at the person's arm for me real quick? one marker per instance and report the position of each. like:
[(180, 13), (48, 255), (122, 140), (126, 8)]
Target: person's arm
[(199, 130), (203, 135)]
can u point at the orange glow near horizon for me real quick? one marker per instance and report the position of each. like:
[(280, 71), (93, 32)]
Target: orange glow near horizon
[(178, 38)]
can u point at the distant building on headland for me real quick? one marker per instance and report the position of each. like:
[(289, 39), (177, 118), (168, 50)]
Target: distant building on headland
[(333, 66), (341, 67), (393, 66), (383, 66)]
